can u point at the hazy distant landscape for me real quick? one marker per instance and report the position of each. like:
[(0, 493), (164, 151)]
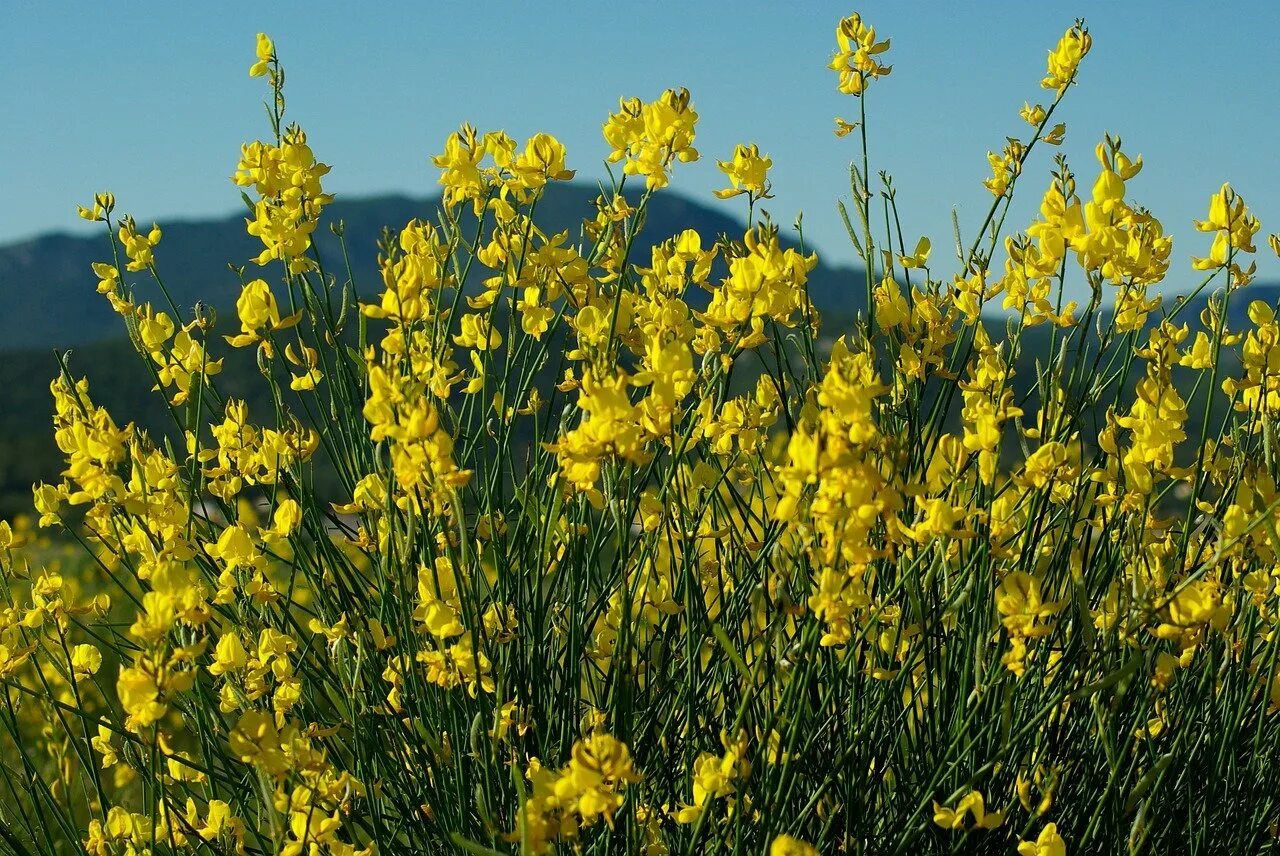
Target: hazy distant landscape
[(47, 288)]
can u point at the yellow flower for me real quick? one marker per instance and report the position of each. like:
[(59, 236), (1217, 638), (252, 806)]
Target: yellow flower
[(85, 661), (919, 257), (137, 246), (287, 179), (1022, 606), (856, 60), (785, 845), (971, 804), (1032, 115), (714, 776), (1064, 59), (1047, 843), (541, 161), (266, 52), (256, 740), (476, 332), (1234, 227), (259, 314), (747, 172), (229, 654), (140, 697), (103, 203), (649, 137)]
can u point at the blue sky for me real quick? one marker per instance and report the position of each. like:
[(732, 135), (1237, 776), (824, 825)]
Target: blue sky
[(152, 100)]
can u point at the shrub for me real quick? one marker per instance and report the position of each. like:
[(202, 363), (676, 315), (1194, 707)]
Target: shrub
[(628, 559)]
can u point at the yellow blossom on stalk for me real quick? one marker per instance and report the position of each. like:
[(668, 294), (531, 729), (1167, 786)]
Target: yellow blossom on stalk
[(178, 361), (747, 172), (1233, 227), (649, 137), (611, 427), (714, 777), (154, 328), (1055, 135), (91, 441), (1257, 390), (307, 359), (103, 204), (287, 179), (1005, 167), (1064, 59), (972, 805), (108, 278), (565, 802), (266, 52), (764, 282), (8, 539), (1191, 611), (412, 276), (137, 246), (1047, 843), (229, 655), (1155, 420), (1055, 466), (1112, 240), (145, 689), (856, 60), (1025, 614), (436, 609), (421, 448), (987, 403), (85, 661), (541, 161), (1061, 225), (786, 845), (476, 332), (919, 257), (1022, 605), (459, 166), (1033, 115), (892, 308), (259, 314)]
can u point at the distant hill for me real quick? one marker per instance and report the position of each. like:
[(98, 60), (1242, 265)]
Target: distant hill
[(49, 302), (47, 289)]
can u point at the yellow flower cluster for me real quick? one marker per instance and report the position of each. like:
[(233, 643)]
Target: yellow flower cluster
[(856, 60), (648, 137), (552, 543), (286, 177), (514, 175), (587, 790)]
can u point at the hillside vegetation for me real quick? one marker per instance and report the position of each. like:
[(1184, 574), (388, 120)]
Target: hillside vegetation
[(651, 538)]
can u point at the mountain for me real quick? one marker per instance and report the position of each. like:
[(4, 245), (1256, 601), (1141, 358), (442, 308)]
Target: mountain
[(47, 289), (49, 302)]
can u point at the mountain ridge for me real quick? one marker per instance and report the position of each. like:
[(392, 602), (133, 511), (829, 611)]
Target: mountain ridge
[(47, 287)]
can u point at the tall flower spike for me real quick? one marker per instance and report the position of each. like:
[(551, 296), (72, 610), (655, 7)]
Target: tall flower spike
[(856, 60), (1064, 59), (747, 173)]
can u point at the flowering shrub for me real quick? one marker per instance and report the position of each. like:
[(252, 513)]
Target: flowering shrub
[(628, 559)]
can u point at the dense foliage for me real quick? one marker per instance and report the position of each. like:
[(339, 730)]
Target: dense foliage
[(627, 558)]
